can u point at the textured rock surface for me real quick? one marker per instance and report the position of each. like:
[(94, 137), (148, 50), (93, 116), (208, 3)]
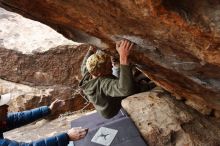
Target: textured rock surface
[(43, 77), (179, 40), (26, 97), (201, 108), (58, 66), (25, 35), (52, 74), (164, 121)]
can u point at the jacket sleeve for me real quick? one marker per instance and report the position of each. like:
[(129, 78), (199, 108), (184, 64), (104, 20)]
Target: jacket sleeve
[(83, 65), (19, 119), (121, 87), (58, 140)]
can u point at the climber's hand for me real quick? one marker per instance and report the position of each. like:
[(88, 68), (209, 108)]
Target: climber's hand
[(124, 47)]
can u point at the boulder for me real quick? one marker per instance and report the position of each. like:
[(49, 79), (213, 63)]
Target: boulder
[(39, 65), (57, 66), (25, 97), (38, 79), (27, 36), (165, 121)]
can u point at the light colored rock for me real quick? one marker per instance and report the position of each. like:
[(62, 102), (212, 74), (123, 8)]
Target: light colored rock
[(164, 121), (202, 108), (25, 97), (28, 36)]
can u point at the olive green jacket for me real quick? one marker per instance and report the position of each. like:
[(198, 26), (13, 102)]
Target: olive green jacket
[(106, 93)]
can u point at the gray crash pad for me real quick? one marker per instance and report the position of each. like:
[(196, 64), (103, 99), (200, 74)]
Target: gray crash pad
[(127, 133)]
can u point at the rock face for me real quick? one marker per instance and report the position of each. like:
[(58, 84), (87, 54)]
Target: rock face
[(25, 35), (26, 97), (58, 66), (163, 121), (40, 78), (178, 41)]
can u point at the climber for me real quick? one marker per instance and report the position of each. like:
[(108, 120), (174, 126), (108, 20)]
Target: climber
[(104, 90), (9, 121)]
